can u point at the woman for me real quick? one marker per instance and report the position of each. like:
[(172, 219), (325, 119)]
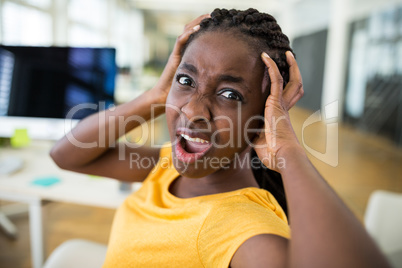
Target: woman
[(202, 204)]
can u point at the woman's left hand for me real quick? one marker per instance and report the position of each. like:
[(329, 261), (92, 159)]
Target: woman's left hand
[(278, 134)]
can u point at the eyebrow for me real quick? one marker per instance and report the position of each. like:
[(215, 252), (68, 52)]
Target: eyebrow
[(233, 79), (189, 67)]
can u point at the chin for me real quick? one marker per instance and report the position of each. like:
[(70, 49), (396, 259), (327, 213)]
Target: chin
[(195, 170)]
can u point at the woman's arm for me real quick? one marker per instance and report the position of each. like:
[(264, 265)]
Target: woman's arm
[(325, 233), (92, 146)]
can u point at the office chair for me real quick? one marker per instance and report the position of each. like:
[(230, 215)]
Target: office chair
[(383, 221)]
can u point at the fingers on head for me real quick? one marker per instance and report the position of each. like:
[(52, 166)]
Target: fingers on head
[(294, 71), (274, 75), (190, 28), (196, 21), (294, 88), (183, 38)]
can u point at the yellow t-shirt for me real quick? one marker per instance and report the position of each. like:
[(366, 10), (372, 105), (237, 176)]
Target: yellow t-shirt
[(154, 228)]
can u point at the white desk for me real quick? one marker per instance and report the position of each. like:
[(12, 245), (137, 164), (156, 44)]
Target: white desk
[(72, 188)]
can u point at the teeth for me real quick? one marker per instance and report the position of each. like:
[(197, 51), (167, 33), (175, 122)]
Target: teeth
[(194, 139)]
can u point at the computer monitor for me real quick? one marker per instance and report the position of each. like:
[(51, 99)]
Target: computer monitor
[(47, 90)]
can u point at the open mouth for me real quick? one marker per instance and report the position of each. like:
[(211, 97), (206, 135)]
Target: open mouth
[(190, 149)]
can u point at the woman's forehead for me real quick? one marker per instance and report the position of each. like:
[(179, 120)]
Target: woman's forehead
[(228, 38), (221, 50)]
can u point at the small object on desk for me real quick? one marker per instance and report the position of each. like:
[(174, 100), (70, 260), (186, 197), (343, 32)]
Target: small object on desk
[(10, 164), (95, 177), (46, 181), (20, 138)]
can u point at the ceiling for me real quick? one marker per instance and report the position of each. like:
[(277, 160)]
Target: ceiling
[(269, 6), (295, 16), (206, 6), (169, 16)]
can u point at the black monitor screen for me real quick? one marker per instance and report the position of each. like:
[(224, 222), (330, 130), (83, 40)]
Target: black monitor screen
[(50, 81)]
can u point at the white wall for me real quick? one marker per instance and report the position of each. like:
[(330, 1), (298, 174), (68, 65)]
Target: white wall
[(309, 16)]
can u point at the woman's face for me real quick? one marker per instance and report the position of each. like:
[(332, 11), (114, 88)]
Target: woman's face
[(217, 90)]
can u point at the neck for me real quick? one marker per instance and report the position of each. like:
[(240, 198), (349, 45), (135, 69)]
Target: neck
[(223, 180)]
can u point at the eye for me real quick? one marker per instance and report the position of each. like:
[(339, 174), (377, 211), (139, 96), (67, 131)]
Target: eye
[(232, 95), (185, 80)]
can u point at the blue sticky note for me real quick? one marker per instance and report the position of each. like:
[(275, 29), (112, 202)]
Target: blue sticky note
[(46, 181)]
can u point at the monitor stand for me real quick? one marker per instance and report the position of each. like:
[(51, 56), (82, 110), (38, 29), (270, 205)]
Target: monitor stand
[(8, 165)]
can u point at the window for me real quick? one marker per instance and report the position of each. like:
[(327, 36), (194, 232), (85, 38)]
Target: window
[(44, 4), (24, 25), (80, 23), (88, 23)]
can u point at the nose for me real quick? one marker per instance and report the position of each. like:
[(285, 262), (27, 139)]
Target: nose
[(197, 110)]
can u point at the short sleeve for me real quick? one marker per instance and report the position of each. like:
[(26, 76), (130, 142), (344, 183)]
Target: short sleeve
[(231, 223)]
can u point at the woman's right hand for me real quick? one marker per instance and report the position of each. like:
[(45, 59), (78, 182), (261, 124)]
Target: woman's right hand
[(278, 134), (161, 89)]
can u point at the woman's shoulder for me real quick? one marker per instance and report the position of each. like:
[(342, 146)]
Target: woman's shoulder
[(251, 202), (236, 218)]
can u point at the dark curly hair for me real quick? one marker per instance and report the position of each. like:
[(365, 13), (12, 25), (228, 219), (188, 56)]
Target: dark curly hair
[(259, 30), (262, 33)]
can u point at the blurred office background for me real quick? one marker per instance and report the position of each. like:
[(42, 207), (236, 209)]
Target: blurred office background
[(349, 52)]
